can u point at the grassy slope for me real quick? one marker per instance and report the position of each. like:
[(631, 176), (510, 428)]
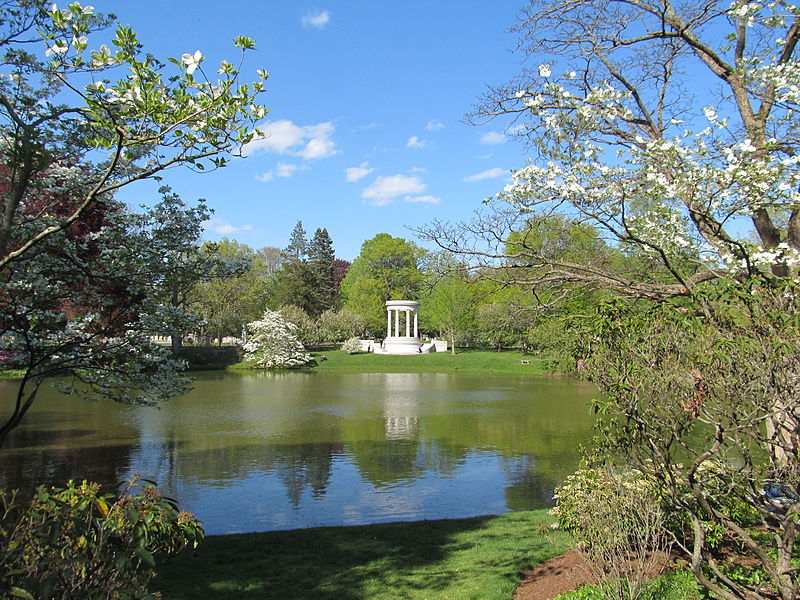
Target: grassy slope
[(471, 361), (460, 559)]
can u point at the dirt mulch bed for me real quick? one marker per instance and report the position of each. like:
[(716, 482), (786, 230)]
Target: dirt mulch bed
[(558, 575), (568, 572)]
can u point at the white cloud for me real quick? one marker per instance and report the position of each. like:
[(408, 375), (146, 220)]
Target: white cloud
[(223, 227), (282, 170), (489, 174), (415, 142), (285, 170), (434, 125), (385, 189), (317, 18), (424, 199), (357, 173), (284, 137), (266, 177), (493, 138), (417, 170)]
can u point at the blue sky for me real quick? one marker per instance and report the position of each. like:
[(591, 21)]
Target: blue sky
[(366, 100)]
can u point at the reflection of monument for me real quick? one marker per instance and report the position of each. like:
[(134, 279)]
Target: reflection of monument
[(400, 406)]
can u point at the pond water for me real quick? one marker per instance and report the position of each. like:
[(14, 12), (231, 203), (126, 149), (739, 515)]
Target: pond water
[(285, 450)]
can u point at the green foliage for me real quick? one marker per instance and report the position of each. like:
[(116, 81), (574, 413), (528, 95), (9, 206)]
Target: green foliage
[(306, 327), (701, 396), (323, 292), (578, 498), (676, 585), (298, 244), (617, 520), (450, 304), (233, 295), (78, 542), (388, 268), (337, 326), (500, 325), (292, 283)]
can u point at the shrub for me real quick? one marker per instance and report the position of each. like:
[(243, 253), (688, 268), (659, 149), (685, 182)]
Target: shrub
[(352, 346), (620, 528), (339, 326), (77, 542)]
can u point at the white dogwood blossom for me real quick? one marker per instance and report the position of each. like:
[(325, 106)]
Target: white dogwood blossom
[(272, 342)]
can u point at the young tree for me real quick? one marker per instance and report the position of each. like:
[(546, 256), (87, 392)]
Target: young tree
[(338, 326), (190, 263), (450, 303), (272, 343), (305, 326), (233, 294)]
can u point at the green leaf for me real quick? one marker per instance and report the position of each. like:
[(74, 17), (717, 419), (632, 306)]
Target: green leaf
[(20, 593), (146, 557)]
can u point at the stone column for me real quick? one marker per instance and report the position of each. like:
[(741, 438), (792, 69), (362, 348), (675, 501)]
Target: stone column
[(396, 322), (408, 323), (416, 329), (388, 322)]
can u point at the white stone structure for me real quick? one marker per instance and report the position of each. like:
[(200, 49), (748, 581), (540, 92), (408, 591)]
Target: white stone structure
[(396, 326)]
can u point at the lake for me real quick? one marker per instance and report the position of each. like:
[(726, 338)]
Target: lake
[(284, 450)]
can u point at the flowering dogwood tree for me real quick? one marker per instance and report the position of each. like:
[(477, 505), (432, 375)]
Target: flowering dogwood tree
[(67, 103), (85, 304), (79, 120), (272, 342), (675, 136), (672, 129)]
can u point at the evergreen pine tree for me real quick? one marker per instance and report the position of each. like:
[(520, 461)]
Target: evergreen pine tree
[(298, 245), (320, 258)]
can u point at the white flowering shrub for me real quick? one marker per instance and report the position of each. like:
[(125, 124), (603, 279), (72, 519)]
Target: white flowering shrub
[(352, 346), (272, 342)]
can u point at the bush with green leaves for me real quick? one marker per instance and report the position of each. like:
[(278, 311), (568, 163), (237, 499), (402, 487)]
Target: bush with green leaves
[(352, 346), (618, 522), (337, 326), (79, 542), (676, 585), (701, 395)]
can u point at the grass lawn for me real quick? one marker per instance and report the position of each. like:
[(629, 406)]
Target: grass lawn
[(465, 361), (460, 559), (11, 373)]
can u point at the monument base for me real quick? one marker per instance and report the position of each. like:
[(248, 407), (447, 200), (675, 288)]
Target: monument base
[(400, 345)]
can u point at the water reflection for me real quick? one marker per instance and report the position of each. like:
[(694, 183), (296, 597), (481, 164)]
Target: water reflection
[(283, 450)]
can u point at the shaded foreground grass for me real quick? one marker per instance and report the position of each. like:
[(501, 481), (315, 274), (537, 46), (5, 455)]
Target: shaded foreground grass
[(469, 361), (460, 559)]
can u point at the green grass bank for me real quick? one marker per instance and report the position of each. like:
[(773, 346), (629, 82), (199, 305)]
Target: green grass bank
[(509, 362), (480, 558)]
